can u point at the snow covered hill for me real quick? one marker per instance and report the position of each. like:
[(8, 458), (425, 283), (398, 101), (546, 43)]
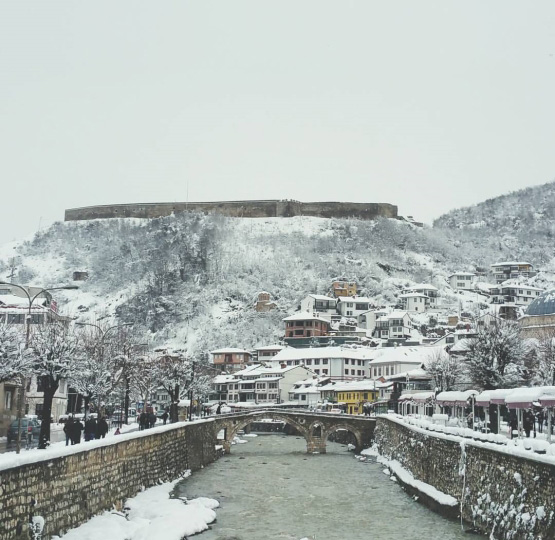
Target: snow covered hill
[(191, 281), (516, 226)]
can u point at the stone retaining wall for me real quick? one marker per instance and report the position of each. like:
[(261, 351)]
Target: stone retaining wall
[(243, 209), (69, 490), (512, 495)]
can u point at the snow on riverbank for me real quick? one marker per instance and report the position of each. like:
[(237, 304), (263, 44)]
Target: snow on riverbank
[(407, 478), (151, 515)]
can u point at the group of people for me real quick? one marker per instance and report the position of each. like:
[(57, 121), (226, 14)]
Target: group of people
[(148, 419), (530, 420), (93, 429)]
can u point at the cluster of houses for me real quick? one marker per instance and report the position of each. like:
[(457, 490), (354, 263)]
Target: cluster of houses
[(342, 351), (338, 350)]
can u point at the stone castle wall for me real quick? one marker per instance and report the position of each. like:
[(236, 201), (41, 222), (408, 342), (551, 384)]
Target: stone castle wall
[(243, 209), (69, 490), (514, 494)]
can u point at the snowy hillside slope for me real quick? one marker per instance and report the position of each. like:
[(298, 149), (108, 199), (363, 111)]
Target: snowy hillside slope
[(191, 281), (519, 225)]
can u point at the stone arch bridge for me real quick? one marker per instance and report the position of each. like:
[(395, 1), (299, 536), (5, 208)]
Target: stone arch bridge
[(314, 427)]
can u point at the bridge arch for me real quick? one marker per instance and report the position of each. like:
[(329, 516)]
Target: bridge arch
[(356, 433), (235, 425)]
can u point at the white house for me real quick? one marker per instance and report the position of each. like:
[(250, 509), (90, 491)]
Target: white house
[(353, 306), (267, 352), (306, 393), (394, 360), (35, 398), (368, 319), (394, 325), (416, 302), (427, 290), (520, 295), (462, 281), (318, 303), (338, 363), (502, 271)]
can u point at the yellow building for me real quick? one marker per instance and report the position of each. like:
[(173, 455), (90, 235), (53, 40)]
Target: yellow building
[(355, 394), (344, 288)]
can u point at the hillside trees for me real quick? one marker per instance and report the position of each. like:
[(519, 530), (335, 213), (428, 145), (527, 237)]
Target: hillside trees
[(14, 360)]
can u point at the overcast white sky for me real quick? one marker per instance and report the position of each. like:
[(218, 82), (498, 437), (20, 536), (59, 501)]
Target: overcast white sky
[(429, 105)]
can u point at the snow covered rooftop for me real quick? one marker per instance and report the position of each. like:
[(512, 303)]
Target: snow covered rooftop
[(270, 348), (230, 351), (322, 297), (292, 353), (511, 263), (412, 295), (404, 355), (362, 299), (305, 316), (462, 274)]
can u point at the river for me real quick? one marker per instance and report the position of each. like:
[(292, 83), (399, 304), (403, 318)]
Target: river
[(270, 489)]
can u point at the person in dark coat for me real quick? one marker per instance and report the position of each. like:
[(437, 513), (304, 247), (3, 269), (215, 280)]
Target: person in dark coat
[(101, 428), (68, 427), (541, 418), (76, 430), (219, 409), (143, 421), (528, 422), (90, 429), (165, 417), (513, 422), (151, 419)]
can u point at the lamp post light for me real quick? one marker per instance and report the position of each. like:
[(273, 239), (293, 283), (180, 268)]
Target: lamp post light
[(31, 300), (102, 337)]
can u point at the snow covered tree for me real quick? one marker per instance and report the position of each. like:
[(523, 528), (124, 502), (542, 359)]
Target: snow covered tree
[(174, 373), (495, 358), (445, 370), (95, 377), (14, 360), (545, 368), (56, 356), (143, 377)]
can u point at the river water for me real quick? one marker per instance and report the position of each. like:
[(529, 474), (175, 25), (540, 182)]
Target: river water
[(270, 489)]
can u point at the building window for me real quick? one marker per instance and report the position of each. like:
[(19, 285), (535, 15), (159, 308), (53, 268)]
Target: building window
[(308, 362), (324, 360), (317, 362), (303, 397), (346, 372), (324, 371), (8, 399)]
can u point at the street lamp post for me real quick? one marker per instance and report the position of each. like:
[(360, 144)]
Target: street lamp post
[(104, 334), (31, 299)]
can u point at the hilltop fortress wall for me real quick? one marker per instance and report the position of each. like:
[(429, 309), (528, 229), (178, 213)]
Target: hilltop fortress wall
[(244, 209)]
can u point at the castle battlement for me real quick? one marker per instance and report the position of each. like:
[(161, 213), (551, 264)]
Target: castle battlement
[(242, 209)]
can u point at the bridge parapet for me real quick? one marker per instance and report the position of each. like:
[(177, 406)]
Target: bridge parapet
[(314, 427)]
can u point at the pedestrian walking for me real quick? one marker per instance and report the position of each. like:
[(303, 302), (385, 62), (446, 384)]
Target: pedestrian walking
[(76, 430), (528, 422), (143, 421), (165, 417), (101, 428), (151, 419), (541, 418), (68, 427), (90, 429)]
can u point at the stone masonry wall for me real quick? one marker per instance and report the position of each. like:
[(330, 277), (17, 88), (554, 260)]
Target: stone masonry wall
[(512, 495), (69, 490), (243, 209)]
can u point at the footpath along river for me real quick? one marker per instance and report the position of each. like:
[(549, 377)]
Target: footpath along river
[(270, 489)]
